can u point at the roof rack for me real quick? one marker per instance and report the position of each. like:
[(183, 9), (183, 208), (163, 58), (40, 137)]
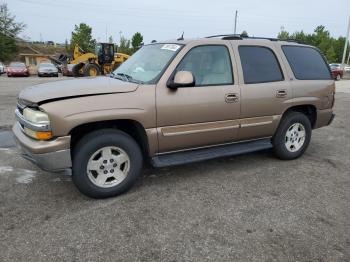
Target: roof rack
[(241, 37), (227, 37)]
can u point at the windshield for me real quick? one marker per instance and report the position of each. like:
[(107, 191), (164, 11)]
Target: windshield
[(146, 65), (47, 65), (17, 65)]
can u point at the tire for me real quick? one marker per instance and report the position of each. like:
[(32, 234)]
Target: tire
[(88, 151), (89, 68), (287, 145), (76, 69)]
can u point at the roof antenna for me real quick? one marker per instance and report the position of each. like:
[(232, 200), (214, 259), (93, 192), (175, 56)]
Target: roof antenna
[(181, 37)]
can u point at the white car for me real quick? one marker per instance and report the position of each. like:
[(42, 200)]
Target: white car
[(47, 69), (347, 68), (2, 68)]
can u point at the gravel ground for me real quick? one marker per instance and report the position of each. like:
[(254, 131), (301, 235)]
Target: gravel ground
[(246, 208)]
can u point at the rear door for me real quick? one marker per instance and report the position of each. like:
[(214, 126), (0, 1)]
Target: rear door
[(264, 88)]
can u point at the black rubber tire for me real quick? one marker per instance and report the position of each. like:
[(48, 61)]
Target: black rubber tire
[(87, 68), (278, 140), (88, 145), (76, 69)]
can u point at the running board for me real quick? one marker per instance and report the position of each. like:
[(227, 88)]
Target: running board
[(196, 155)]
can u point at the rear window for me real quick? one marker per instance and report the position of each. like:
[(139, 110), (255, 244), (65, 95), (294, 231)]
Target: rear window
[(307, 63), (259, 65)]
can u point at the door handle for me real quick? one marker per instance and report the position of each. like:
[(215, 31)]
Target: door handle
[(281, 93), (231, 98)]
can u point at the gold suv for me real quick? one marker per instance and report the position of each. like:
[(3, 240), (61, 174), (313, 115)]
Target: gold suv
[(177, 102)]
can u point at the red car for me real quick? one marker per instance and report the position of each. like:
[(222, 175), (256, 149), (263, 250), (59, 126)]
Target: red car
[(17, 69), (337, 72)]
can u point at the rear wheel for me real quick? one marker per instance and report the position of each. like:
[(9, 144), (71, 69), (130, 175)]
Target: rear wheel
[(91, 70), (106, 163), (293, 136)]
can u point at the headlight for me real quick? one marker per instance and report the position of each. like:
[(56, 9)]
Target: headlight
[(37, 117)]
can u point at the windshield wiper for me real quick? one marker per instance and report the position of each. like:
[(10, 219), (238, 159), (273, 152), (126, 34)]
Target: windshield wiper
[(129, 78), (120, 77)]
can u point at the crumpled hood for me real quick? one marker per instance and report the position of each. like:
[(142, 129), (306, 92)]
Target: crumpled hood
[(58, 90)]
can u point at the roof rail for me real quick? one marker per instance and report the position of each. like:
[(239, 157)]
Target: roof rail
[(227, 37), (241, 37)]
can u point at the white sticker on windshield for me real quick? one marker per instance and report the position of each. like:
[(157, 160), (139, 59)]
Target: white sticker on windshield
[(171, 47)]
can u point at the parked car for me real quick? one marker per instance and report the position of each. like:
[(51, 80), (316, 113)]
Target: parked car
[(196, 100), (337, 71), (347, 68), (47, 69), (2, 68), (67, 70), (17, 69)]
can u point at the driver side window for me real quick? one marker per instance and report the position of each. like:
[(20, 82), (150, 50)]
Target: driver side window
[(210, 65)]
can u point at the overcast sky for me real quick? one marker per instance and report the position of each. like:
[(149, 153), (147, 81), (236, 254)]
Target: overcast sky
[(160, 19)]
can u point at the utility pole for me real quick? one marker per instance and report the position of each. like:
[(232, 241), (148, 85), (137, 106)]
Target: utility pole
[(234, 31), (346, 45)]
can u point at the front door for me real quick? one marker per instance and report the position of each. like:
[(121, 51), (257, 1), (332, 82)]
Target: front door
[(205, 114)]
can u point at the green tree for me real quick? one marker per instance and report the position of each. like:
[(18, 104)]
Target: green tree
[(321, 38), (124, 46), (66, 46), (136, 41), (9, 30), (283, 35), (331, 55), (244, 33), (110, 39), (82, 36)]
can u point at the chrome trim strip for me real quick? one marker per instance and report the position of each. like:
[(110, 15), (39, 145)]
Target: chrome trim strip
[(30, 125), (198, 131), (257, 124)]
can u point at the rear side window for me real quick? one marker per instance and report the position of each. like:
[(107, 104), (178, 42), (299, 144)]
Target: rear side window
[(307, 63), (259, 65)]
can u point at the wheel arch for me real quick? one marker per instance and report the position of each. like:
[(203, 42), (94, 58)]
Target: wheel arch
[(307, 109), (129, 126)]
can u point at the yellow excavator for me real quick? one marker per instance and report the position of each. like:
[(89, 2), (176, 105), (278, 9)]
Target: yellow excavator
[(103, 61)]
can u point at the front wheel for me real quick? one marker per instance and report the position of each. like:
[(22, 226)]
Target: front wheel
[(91, 70), (106, 163), (292, 136)]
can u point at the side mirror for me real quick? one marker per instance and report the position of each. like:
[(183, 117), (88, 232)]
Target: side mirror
[(182, 79)]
